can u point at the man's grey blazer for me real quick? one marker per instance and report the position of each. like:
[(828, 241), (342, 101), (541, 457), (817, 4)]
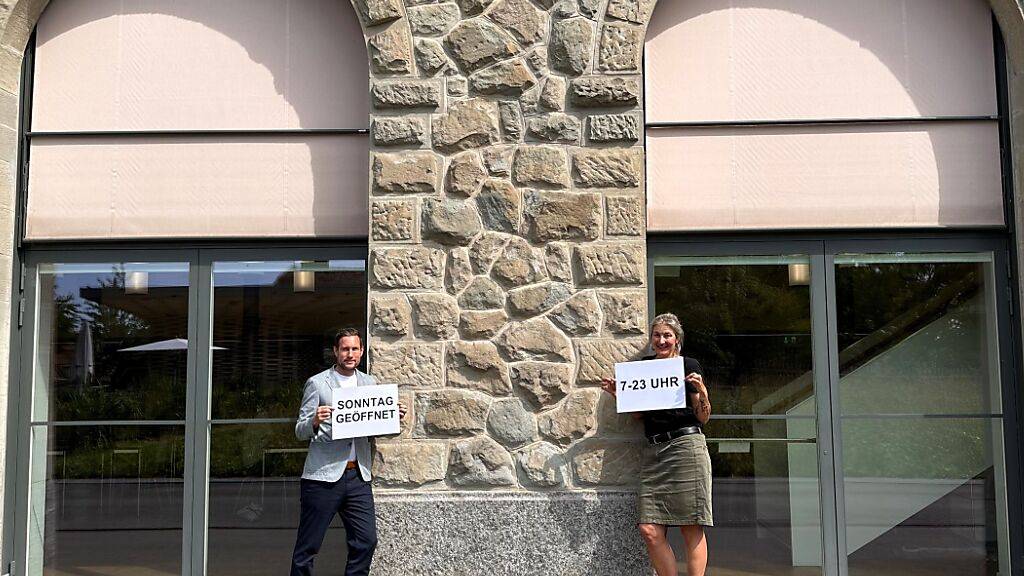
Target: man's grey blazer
[(326, 458)]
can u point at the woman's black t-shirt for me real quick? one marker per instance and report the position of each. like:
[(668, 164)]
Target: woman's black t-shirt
[(659, 421)]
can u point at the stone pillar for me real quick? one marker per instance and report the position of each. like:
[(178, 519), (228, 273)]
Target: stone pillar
[(507, 271)]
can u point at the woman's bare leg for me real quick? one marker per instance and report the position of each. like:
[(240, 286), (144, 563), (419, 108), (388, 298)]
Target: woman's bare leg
[(696, 550), (658, 548)]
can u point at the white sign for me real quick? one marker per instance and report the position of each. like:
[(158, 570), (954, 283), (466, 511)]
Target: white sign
[(364, 411), (650, 385)]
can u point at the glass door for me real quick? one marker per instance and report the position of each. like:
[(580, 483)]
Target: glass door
[(920, 415), (748, 321), (103, 441)]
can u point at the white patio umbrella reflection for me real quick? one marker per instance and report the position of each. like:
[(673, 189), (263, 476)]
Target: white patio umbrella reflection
[(85, 360), (163, 345)]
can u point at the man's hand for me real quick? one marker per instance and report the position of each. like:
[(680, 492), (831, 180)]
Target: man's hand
[(402, 410), (608, 385), (322, 414)]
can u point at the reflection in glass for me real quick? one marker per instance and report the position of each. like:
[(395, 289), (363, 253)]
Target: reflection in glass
[(106, 500), (923, 495), (103, 348), (254, 502), (918, 340), (766, 497), (272, 327), (749, 325)]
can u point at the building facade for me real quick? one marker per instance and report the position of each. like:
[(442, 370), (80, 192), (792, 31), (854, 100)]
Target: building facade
[(503, 192)]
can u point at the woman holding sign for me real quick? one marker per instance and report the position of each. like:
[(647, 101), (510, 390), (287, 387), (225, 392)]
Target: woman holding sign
[(675, 478)]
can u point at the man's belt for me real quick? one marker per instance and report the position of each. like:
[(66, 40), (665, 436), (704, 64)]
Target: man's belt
[(662, 437)]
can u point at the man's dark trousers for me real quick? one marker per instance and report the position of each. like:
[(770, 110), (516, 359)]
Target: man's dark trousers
[(352, 499)]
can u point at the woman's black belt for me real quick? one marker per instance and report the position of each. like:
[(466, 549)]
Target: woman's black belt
[(673, 434)]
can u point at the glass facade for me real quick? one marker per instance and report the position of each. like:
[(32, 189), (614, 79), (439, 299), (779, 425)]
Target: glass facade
[(897, 358), (130, 425)]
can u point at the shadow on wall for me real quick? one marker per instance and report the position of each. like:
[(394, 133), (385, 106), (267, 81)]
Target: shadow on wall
[(912, 69), (319, 73)]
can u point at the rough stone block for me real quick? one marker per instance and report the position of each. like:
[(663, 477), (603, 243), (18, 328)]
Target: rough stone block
[(480, 461), (473, 7), (406, 94), (521, 19), (408, 364), (590, 8), (409, 268), (391, 50), (477, 43), (510, 423), (558, 261), (467, 124), (620, 48), (435, 315), (388, 131), (552, 97), (541, 465), (390, 315), (624, 312), (597, 358), (535, 339), (611, 423), (613, 128), (458, 86), (572, 419), (460, 271), (538, 298), (377, 12), (571, 44), (624, 215), (544, 166), (465, 173), (433, 19), (482, 293), (451, 413), (498, 160), (635, 11), (557, 127), (409, 464), (542, 383), (477, 366), (550, 215), (605, 91), (430, 56), (603, 264), (481, 324), (580, 315), (518, 265), (448, 221), (485, 249), (601, 462), (509, 78), (392, 221), (406, 173), (608, 168), (499, 205), (511, 116)]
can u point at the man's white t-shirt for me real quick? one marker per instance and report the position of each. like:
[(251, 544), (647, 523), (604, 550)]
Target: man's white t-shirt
[(346, 382)]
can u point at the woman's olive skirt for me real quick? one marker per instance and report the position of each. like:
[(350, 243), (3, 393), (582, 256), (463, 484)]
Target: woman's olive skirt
[(675, 483)]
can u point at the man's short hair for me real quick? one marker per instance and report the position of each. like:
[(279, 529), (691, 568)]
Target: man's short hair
[(347, 332)]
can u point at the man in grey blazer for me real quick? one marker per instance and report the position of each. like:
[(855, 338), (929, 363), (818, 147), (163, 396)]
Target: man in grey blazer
[(336, 477)]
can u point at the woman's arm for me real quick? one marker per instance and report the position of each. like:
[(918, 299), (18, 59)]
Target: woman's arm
[(701, 401)]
